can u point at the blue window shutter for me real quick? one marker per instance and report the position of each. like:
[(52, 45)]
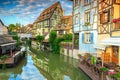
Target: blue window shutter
[(82, 37), (92, 38)]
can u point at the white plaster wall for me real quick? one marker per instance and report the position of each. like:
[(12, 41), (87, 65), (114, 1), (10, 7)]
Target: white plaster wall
[(74, 55)]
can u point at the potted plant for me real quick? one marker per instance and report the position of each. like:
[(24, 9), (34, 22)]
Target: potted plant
[(80, 57), (117, 76), (103, 70), (87, 24)]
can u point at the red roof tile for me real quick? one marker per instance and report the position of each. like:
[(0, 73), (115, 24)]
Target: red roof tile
[(47, 12)]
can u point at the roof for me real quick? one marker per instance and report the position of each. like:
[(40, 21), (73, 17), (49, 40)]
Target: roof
[(47, 13), (64, 26), (6, 39), (1, 22)]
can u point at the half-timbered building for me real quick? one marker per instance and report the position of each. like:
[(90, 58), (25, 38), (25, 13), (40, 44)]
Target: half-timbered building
[(85, 24), (109, 30), (64, 26), (49, 18)]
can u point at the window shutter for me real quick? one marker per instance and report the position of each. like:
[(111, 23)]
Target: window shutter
[(82, 37), (92, 38)]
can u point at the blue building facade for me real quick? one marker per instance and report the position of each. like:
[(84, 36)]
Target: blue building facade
[(85, 24)]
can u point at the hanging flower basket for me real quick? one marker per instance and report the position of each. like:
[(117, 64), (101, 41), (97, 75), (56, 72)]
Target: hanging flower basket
[(87, 23)]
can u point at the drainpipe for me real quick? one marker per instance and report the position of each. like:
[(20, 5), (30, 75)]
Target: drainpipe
[(72, 30)]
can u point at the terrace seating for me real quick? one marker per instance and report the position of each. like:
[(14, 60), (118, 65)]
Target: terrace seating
[(110, 65)]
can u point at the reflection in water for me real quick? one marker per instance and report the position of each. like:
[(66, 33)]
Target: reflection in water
[(45, 67), (29, 72), (60, 67), (66, 78), (5, 74)]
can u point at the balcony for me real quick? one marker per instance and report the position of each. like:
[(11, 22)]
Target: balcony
[(86, 28)]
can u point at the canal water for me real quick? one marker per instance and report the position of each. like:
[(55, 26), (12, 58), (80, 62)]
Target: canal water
[(45, 67)]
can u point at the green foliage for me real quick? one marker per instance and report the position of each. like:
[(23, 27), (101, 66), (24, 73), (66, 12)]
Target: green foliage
[(54, 42), (11, 27), (67, 37), (16, 38), (39, 38), (3, 57), (3, 66), (104, 69), (52, 36), (87, 23), (117, 75), (28, 42), (18, 41), (93, 60), (79, 55), (13, 33)]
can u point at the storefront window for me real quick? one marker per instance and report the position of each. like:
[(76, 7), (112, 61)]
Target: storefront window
[(115, 51)]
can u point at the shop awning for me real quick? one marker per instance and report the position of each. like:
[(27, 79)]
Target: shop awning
[(111, 41), (100, 46)]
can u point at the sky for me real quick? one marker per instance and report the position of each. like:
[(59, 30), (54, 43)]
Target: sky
[(26, 11)]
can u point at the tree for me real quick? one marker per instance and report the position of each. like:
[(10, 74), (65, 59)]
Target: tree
[(52, 36), (68, 37), (54, 42), (39, 38), (28, 42), (18, 41), (18, 25), (11, 27)]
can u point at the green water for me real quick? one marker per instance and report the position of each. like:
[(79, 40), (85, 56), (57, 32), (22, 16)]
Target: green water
[(45, 66)]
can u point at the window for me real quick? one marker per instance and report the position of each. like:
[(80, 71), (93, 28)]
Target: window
[(76, 19), (59, 26), (52, 20), (87, 17), (76, 3), (87, 38), (117, 1), (60, 32), (48, 22), (115, 51), (43, 31), (86, 2), (104, 17)]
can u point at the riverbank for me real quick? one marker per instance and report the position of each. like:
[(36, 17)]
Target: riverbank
[(13, 59)]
